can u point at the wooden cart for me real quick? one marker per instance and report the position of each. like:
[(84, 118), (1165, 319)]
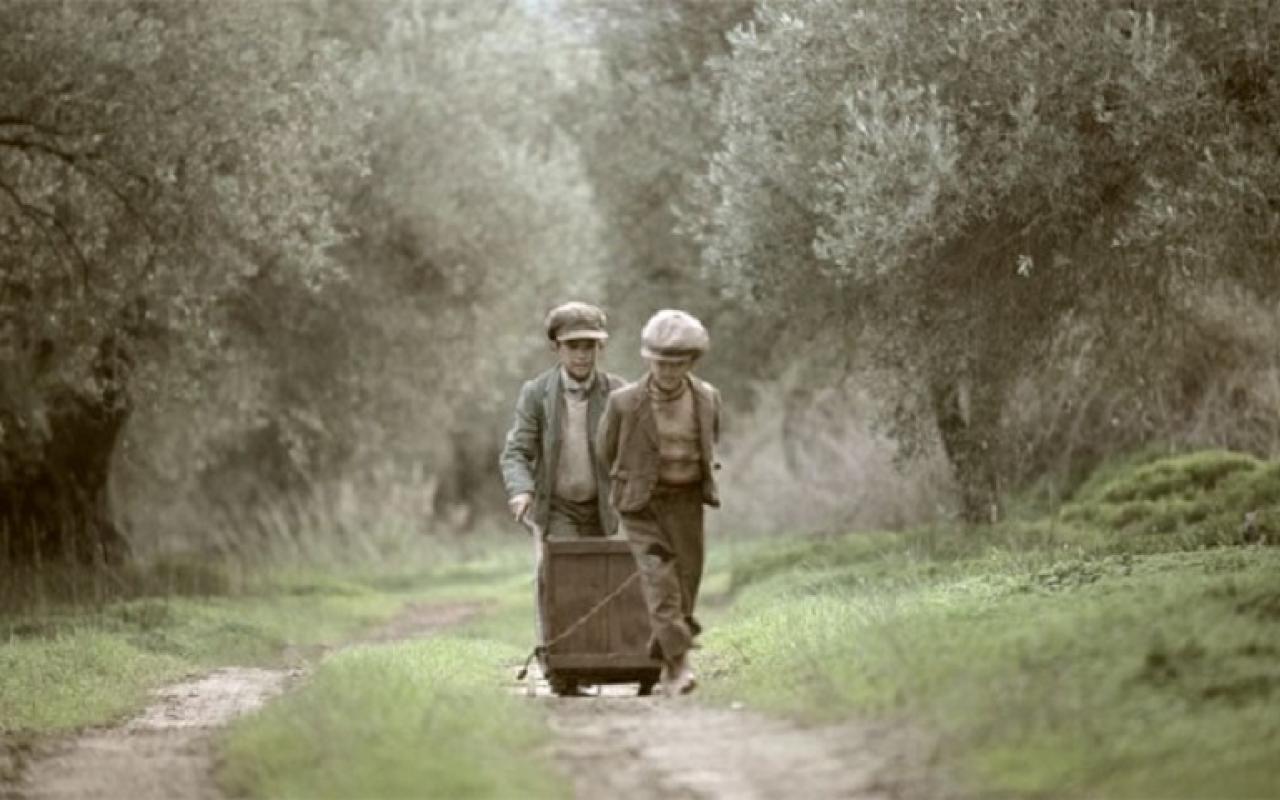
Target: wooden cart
[(611, 646)]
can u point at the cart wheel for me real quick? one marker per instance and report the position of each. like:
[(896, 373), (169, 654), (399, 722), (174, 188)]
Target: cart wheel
[(646, 688), (562, 686)]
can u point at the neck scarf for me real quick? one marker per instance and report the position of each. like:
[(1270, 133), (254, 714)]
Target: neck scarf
[(574, 387), (665, 396)]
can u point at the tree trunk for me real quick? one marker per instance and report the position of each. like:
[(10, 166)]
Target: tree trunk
[(970, 448), (54, 468), (53, 507)]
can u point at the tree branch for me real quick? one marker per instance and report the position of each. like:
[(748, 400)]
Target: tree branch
[(80, 162), (43, 219), (13, 121)]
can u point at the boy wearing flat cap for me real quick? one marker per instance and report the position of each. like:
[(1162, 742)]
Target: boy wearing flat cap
[(657, 439), (549, 464)]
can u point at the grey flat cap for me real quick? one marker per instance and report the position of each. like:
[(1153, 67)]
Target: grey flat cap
[(576, 320), (673, 335)]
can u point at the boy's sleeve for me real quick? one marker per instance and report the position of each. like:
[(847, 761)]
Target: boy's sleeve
[(520, 451), (607, 434)]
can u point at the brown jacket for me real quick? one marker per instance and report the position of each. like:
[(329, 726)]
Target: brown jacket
[(627, 443)]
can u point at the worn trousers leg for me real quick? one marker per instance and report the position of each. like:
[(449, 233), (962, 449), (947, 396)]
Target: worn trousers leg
[(570, 520), (666, 538)]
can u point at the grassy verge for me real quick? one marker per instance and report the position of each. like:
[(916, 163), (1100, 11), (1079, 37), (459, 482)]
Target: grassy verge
[(75, 668), (427, 718), (64, 665), (421, 719), (1102, 653)]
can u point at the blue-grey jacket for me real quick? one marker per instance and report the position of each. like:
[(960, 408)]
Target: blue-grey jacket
[(531, 452)]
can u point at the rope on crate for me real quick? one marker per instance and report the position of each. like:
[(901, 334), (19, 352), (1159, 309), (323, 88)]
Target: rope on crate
[(542, 649)]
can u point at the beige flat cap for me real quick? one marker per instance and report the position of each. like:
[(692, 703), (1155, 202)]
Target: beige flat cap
[(673, 335)]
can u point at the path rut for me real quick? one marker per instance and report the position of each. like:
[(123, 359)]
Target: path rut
[(615, 744), (166, 751)]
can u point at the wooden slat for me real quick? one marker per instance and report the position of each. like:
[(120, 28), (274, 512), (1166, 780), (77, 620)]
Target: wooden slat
[(629, 631), (580, 573), (592, 546), (579, 581), (602, 661)]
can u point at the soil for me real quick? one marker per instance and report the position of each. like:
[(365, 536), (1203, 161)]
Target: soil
[(615, 744)]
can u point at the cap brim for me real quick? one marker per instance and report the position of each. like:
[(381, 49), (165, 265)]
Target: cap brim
[(658, 355), (569, 336)]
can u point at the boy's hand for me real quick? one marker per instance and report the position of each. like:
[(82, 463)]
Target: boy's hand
[(519, 505)]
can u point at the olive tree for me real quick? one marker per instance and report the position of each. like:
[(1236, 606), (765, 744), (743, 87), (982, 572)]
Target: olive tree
[(470, 218), (642, 118), (952, 185), (156, 161), (479, 217)]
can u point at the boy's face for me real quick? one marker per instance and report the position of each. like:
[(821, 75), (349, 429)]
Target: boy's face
[(668, 374), (578, 357)]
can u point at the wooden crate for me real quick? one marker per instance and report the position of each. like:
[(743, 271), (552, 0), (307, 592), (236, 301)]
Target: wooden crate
[(612, 646)]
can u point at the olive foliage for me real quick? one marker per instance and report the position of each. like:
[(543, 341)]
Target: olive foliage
[(251, 251), (954, 186), (643, 123), (250, 248), (155, 159), (471, 213)]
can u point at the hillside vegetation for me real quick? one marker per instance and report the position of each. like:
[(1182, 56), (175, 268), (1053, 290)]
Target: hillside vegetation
[(1125, 646)]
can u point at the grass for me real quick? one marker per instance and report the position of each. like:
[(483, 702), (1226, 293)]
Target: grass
[(403, 719), (77, 667), (76, 679), (428, 718), (89, 656), (1126, 646), (1192, 500), (70, 666), (1066, 657)]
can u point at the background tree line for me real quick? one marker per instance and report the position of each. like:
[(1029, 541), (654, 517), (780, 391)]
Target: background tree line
[(301, 250)]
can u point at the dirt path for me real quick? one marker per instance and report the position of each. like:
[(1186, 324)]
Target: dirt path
[(166, 752), (643, 748), (613, 744)]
